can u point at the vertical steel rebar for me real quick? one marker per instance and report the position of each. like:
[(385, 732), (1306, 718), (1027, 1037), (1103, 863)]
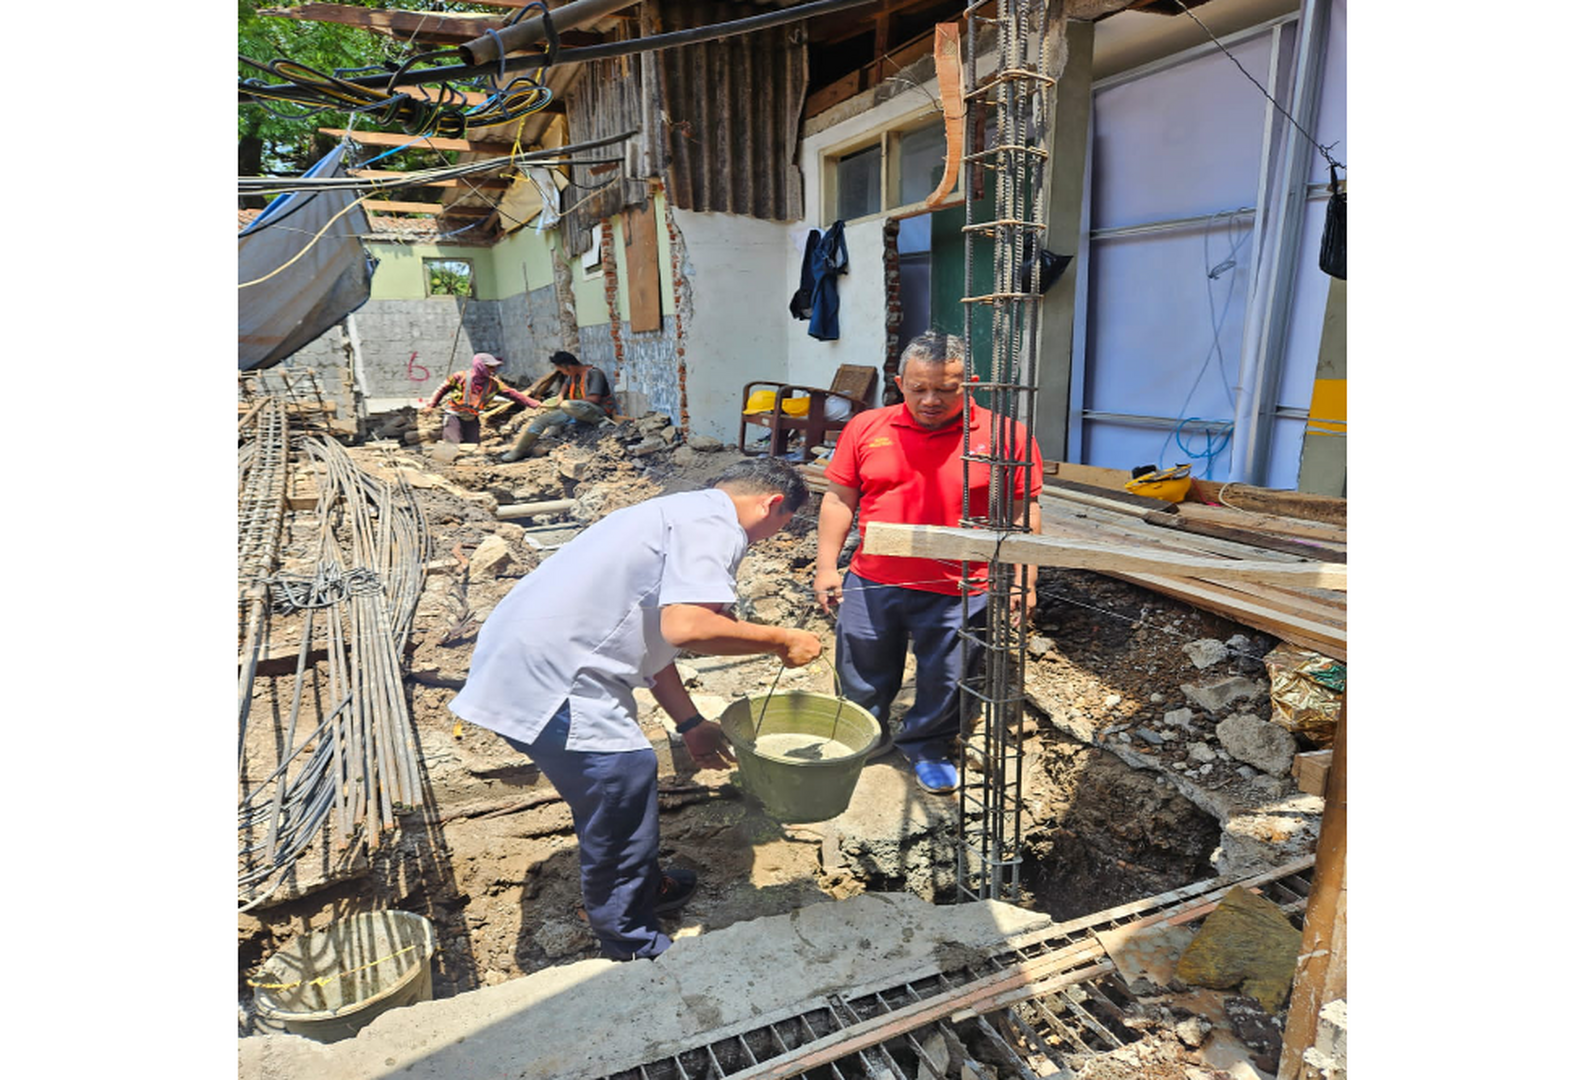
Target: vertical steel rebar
[(988, 851)]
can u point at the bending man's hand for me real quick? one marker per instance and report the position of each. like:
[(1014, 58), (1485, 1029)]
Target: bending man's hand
[(801, 647), (708, 746)]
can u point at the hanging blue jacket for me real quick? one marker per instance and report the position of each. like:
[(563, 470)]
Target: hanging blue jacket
[(829, 260)]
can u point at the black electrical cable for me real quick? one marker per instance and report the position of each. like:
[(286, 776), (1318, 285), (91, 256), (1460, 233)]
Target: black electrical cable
[(587, 53)]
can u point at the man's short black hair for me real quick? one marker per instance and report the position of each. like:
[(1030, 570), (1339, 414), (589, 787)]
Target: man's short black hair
[(766, 476), (561, 358)]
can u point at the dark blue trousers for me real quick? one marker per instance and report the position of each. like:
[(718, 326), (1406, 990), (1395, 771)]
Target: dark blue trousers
[(614, 803), (870, 637)]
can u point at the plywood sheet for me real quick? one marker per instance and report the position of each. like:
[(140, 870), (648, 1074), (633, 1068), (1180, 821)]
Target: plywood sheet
[(641, 269)]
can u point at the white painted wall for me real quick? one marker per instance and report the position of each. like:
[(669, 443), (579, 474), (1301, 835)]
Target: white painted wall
[(736, 330), (811, 362)]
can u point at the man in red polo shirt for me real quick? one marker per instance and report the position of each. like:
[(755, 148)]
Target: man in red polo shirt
[(901, 464)]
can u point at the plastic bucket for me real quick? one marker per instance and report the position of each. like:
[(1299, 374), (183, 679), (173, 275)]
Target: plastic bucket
[(804, 759), (333, 982)]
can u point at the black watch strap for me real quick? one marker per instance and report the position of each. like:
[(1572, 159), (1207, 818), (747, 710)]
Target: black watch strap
[(688, 723)]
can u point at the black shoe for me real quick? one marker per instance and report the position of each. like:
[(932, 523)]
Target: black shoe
[(677, 886), (885, 745)]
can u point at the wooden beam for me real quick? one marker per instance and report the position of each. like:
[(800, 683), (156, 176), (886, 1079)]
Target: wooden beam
[(1288, 545), (1308, 633), (427, 142), (1125, 501), (1321, 974), (1310, 771), (481, 183), (421, 26), (1323, 508), (376, 206), (410, 25), (942, 542), (1273, 523)]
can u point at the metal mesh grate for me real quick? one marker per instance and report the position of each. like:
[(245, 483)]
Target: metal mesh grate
[(1066, 1022)]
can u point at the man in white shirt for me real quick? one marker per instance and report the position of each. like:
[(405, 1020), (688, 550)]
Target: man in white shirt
[(558, 660)]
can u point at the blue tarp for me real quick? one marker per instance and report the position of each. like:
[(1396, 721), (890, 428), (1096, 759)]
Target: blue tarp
[(283, 312)]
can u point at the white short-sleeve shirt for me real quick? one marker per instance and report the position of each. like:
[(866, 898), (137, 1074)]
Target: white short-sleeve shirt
[(585, 624)]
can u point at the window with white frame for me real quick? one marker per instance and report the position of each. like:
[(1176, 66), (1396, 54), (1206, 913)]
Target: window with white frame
[(893, 170)]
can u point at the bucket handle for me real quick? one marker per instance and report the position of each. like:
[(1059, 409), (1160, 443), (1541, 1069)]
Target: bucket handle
[(839, 697)]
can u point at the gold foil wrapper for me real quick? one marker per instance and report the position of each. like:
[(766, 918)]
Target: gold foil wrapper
[(1306, 688)]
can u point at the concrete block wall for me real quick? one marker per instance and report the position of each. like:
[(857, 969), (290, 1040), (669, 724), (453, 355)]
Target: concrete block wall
[(529, 332), (407, 344), (648, 363)]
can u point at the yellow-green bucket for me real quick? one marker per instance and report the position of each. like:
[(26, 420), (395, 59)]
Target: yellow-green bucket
[(802, 756), (331, 983)]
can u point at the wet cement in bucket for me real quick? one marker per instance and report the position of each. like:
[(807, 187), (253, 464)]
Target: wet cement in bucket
[(802, 747)]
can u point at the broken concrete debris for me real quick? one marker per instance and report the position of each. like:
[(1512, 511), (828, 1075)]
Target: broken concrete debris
[(1206, 652), (1258, 743), (1220, 694)]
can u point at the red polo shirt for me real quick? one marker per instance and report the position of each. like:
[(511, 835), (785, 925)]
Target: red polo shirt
[(910, 475)]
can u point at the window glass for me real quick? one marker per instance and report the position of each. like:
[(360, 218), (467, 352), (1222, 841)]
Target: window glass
[(921, 162), (858, 179)]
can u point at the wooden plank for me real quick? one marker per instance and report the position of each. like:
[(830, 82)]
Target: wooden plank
[(1307, 633), (1321, 967), (1273, 523), (1320, 607), (1298, 504), (1115, 479), (1310, 771), (1136, 505), (841, 89), (379, 206), (1288, 545), (430, 142), (1104, 524), (423, 26), (481, 183), (943, 542), (641, 269)]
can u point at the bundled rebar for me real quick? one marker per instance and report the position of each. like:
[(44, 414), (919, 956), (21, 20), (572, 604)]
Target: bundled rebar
[(350, 777), (1017, 97)]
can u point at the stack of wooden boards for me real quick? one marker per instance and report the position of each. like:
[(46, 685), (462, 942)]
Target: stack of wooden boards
[(1247, 524)]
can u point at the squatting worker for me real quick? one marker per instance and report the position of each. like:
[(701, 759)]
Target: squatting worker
[(558, 660), (583, 397), (902, 464), (467, 393)]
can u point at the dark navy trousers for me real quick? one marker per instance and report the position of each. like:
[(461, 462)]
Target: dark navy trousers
[(875, 624), (614, 803)]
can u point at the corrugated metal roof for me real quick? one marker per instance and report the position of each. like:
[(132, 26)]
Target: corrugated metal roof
[(732, 111)]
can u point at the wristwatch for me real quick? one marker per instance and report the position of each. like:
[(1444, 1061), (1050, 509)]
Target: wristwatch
[(688, 723)]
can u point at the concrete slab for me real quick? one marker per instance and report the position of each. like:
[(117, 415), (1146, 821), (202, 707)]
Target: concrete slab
[(597, 1017)]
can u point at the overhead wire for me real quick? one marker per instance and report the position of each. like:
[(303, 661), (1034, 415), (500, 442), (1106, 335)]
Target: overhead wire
[(1321, 149)]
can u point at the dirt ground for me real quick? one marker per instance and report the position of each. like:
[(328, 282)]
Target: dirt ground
[(490, 858)]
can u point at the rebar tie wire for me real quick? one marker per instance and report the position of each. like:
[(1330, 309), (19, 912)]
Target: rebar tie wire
[(299, 593)]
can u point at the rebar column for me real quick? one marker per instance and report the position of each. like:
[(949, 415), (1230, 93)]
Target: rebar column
[(1015, 101)]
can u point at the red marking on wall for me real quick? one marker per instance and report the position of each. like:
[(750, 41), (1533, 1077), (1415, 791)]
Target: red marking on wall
[(411, 365)]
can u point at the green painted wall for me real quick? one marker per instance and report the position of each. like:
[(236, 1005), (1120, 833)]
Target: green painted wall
[(399, 275), (523, 261)]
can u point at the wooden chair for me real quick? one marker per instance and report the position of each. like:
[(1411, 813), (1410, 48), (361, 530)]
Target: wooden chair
[(852, 383)]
